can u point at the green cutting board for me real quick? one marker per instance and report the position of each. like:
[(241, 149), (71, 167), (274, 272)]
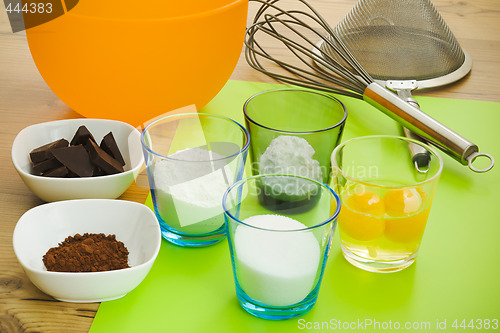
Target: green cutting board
[(455, 278)]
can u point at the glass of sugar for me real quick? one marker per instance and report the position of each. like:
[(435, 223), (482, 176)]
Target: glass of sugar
[(191, 159), (279, 241), (294, 131)]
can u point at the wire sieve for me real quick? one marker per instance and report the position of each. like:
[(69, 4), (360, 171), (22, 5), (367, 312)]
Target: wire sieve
[(330, 66), (404, 45)]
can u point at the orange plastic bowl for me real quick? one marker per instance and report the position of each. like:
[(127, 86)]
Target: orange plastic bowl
[(132, 61)]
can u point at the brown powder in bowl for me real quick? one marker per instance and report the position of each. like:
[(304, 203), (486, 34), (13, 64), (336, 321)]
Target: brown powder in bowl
[(87, 253)]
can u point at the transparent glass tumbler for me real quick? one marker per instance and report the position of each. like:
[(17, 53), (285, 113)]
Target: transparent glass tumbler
[(294, 131), (191, 160), (279, 248), (386, 200)]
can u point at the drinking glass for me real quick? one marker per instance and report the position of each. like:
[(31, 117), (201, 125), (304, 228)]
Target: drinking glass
[(279, 230), (191, 160), (386, 200), (294, 131)]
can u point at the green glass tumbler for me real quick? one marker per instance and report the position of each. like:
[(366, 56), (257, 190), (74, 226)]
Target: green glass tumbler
[(294, 131)]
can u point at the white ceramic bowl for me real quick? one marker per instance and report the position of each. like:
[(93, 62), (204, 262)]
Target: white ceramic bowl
[(103, 187), (45, 226)]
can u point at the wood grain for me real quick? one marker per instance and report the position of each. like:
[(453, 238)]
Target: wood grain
[(25, 99)]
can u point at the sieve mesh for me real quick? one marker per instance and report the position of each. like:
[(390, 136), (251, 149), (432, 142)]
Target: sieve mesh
[(400, 40)]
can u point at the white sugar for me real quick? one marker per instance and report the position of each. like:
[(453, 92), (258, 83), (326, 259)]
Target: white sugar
[(276, 268), (189, 188), (290, 155)]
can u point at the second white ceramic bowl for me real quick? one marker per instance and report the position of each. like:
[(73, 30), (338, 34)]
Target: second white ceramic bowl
[(45, 226)]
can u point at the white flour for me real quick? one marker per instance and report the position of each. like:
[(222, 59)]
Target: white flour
[(276, 268), (189, 190)]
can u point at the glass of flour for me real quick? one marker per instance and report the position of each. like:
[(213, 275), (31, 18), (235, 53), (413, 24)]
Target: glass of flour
[(279, 252), (294, 131), (191, 160)]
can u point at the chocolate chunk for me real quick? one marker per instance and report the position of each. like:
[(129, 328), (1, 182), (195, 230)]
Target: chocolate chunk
[(57, 172), (80, 158), (76, 159), (102, 159), (42, 153), (72, 175), (40, 168), (98, 171), (81, 136), (109, 145)]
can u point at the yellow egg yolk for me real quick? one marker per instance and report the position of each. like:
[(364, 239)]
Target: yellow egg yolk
[(366, 202), (407, 204), (356, 217), (407, 230), (402, 202)]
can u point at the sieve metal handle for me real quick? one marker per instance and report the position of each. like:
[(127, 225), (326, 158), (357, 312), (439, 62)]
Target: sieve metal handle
[(425, 126), (419, 155)]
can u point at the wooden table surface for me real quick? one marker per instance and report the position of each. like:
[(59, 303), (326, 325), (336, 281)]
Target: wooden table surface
[(25, 99)]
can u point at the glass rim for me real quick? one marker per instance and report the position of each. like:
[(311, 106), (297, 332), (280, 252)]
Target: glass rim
[(245, 180), (382, 136), (339, 124), (211, 115)]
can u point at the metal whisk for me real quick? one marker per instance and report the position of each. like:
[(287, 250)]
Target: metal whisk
[(332, 68)]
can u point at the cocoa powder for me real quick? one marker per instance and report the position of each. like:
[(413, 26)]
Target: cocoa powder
[(87, 253)]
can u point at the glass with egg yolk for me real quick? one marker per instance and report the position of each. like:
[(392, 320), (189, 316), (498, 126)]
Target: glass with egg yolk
[(386, 200)]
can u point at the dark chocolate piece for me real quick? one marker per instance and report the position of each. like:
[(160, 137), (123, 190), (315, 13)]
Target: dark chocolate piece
[(98, 171), (81, 136), (76, 159), (109, 145), (42, 153), (40, 168), (72, 175), (102, 159), (57, 172)]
